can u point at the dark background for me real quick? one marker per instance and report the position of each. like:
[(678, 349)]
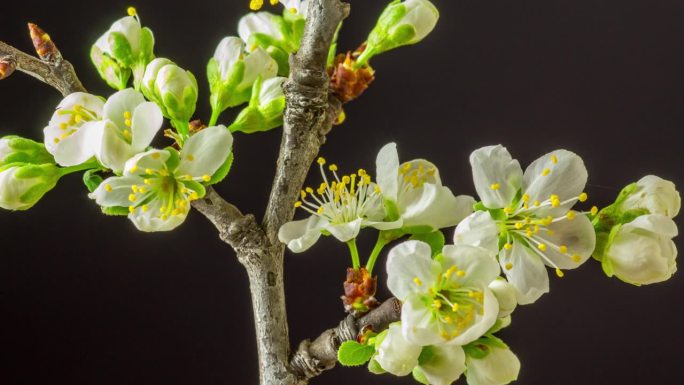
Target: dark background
[(86, 299)]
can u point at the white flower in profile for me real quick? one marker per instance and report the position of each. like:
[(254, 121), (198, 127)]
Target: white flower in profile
[(499, 366), (532, 212), (340, 207), (642, 252), (446, 299), (399, 356), (73, 134), (296, 7), (414, 195), (506, 296), (158, 185), (657, 195), (264, 23)]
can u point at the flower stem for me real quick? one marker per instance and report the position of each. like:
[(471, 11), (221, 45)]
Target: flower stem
[(215, 114), (79, 167), (356, 262), (379, 245)]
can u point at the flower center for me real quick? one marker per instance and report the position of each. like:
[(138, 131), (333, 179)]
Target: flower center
[(163, 190), (78, 115), (415, 175)]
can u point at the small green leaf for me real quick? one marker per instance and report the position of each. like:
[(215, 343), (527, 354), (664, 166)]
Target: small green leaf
[(375, 368), (352, 353), (92, 180), (435, 239), (419, 376)]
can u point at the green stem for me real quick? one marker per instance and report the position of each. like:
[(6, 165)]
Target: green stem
[(183, 128), (79, 167), (379, 245), (356, 262), (215, 114)]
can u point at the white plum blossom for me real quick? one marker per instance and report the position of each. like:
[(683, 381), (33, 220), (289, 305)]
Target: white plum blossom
[(341, 207), (499, 366), (158, 185), (531, 213), (296, 7), (260, 22), (446, 299), (657, 195), (399, 356), (414, 195), (642, 252)]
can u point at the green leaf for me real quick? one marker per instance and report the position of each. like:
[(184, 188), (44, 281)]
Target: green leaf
[(375, 368), (419, 376), (92, 180), (435, 239), (352, 353)]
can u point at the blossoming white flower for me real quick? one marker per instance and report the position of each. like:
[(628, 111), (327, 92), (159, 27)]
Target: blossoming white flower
[(296, 7), (446, 300), (158, 185), (340, 207), (399, 356), (73, 134), (264, 23), (531, 211), (505, 295), (657, 195), (414, 194), (499, 366), (23, 185), (642, 252)]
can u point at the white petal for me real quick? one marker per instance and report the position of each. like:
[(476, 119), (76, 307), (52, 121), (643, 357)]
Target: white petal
[(130, 27), (560, 172), (228, 51), (406, 262), (527, 272), (258, 63), (397, 355), (115, 191), (577, 235), (259, 22), (479, 266), (344, 231), (205, 152), (478, 229), (437, 208), (506, 296), (114, 150), (150, 221), (80, 146), (418, 323), (496, 175), (659, 224), (387, 171), (482, 322), (301, 235), (445, 366), (122, 102), (147, 120), (152, 159), (499, 367)]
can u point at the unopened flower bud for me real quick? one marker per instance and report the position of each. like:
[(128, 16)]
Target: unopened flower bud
[(279, 36), (401, 23), (14, 149), (173, 89), (7, 67), (653, 194), (44, 46), (265, 110), (23, 185)]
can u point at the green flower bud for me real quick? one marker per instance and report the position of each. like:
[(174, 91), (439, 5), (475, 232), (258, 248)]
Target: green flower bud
[(15, 149), (22, 185), (125, 48), (173, 89), (265, 110), (280, 36), (401, 23)]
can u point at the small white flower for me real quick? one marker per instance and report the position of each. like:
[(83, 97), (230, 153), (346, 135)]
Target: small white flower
[(296, 7), (228, 52), (422, 15), (500, 366), (506, 296), (73, 134), (446, 299), (399, 356), (414, 194), (341, 207), (657, 195), (158, 185), (260, 22), (533, 214), (130, 28), (642, 252)]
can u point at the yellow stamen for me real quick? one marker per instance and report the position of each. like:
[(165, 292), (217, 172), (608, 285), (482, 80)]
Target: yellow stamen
[(594, 210), (583, 197), (495, 186), (461, 273), (206, 178), (541, 247), (559, 273), (436, 304), (190, 157), (571, 215), (131, 209), (509, 266), (134, 168), (554, 159), (563, 249), (417, 281), (132, 198), (576, 258), (508, 246), (156, 155), (131, 11), (298, 204), (321, 160), (108, 188), (333, 167), (546, 172), (256, 5), (454, 307), (525, 197), (145, 208)]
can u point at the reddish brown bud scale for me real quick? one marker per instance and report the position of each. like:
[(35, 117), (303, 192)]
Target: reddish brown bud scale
[(347, 82), (45, 48), (7, 67), (359, 291), (196, 126)]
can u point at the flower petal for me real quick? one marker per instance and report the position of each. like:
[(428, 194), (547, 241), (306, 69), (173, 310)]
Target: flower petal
[(478, 229), (445, 365), (496, 175), (152, 159), (344, 231), (561, 173), (406, 262), (436, 207), (500, 366), (397, 355), (205, 152), (577, 236), (655, 223), (147, 120), (120, 105), (482, 322), (387, 171), (114, 191), (80, 146), (525, 270), (418, 323), (150, 220), (114, 150), (479, 266), (301, 235)]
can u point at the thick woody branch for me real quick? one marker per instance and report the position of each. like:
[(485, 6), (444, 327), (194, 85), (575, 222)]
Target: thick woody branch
[(313, 358), (51, 68)]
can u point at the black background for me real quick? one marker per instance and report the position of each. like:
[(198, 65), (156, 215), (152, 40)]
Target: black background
[(86, 299)]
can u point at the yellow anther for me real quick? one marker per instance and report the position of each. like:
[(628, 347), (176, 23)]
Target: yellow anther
[(554, 159), (142, 190), (576, 258), (206, 178), (526, 206), (377, 189), (332, 167), (559, 273), (509, 266), (571, 215), (342, 116), (155, 155), (583, 197), (563, 249), (131, 209), (190, 157), (495, 186), (346, 179), (256, 5), (131, 11), (541, 247), (526, 198), (547, 221), (298, 204), (63, 126), (302, 194), (147, 181), (133, 168), (448, 320), (362, 172), (528, 233), (127, 115), (134, 188), (108, 187), (519, 225), (64, 136), (293, 11), (78, 118), (309, 190), (436, 304), (444, 334), (274, 2), (508, 210), (194, 196), (594, 210), (145, 208), (56, 140), (320, 210), (417, 281), (164, 217), (450, 271), (508, 246), (546, 172), (461, 273), (321, 160), (536, 229), (128, 123), (132, 198), (536, 203)]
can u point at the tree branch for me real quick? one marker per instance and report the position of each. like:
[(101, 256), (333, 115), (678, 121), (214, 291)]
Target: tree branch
[(313, 358), (52, 69)]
